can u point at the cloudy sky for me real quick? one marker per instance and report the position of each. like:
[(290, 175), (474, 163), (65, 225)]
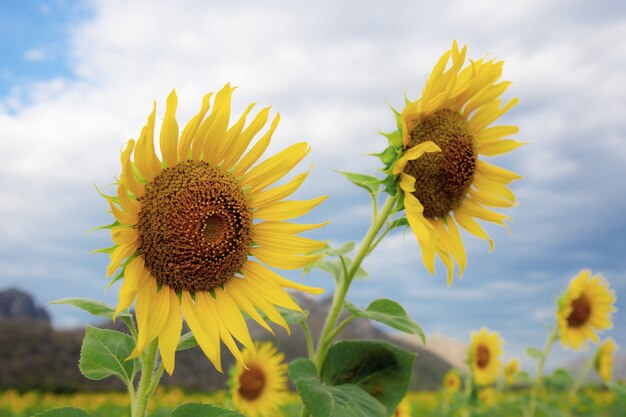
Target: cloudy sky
[(77, 80)]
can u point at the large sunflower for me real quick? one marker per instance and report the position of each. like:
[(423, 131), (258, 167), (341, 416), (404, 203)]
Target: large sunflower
[(584, 309), (604, 360), (485, 350), (439, 139), (187, 226), (259, 384)]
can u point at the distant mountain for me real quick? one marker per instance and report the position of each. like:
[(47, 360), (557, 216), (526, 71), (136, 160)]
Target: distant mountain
[(16, 304), (35, 356)]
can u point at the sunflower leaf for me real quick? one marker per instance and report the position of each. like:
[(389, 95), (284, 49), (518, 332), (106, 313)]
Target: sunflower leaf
[(203, 410), (367, 182), (387, 312), (187, 341), (381, 369), (343, 249), (63, 412), (332, 401), (94, 307), (104, 354), (533, 352)]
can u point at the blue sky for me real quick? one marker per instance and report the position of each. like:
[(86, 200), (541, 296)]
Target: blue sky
[(77, 80)]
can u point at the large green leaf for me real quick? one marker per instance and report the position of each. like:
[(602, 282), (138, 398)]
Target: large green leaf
[(203, 410), (390, 313), (104, 354), (63, 412), (94, 307), (381, 369), (321, 400), (367, 182)]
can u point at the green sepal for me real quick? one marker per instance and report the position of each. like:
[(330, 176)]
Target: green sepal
[(380, 369), (394, 138), (387, 312), (106, 197), (104, 354), (346, 400), (108, 250), (388, 156), (106, 226), (203, 410), (62, 412)]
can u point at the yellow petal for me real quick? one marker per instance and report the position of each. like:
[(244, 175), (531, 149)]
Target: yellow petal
[(495, 173), (169, 132), (189, 132), (495, 133), (124, 235), (209, 343), (261, 303), (129, 204), (493, 188), (263, 281), (264, 198), (414, 153), (422, 229), (142, 313), (257, 150), (128, 176), (216, 132), (234, 320), (119, 254), (134, 277), (207, 306), (286, 243), (499, 147), (473, 209), (124, 217), (275, 167), (489, 113), (459, 249), (146, 158), (286, 210), (240, 143), (170, 334), (284, 227), (447, 245), (281, 260), (485, 96), (469, 224), (232, 134), (245, 304)]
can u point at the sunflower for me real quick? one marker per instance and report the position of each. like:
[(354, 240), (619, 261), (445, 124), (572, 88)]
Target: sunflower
[(259, 384), (452, 381), (604, 360), (487, 396), (403, 409), (187, 227), (485, 351), (510, 370), (435, 154), (585, 308)]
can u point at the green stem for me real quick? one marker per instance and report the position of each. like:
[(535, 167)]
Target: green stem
[(582, 375), (145, 382), (344, 284), (340, 327), (309, 339), (539, 374)]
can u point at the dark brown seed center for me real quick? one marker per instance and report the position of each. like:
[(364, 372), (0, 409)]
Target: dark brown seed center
[(581, 311), (482, 356), (442, 178), (251, 383), (194, 227)]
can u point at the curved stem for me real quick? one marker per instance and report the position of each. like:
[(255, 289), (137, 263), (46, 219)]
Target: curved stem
[(145, 382), (309, 339), (538, 377), (344, 284)]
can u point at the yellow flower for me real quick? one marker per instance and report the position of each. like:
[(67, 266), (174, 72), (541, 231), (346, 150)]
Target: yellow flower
[(443, 182), (260, 388), (485, 350), (187, 226), (487, 396), (510, 370), (403, 409), (452, 381), (585, 308), (604, 360)]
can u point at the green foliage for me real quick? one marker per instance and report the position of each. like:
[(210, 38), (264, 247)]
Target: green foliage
[(533, 353), (203, 410), (345, 400), (63, 412), (367, 182), (343, 249), (387, 312), (559, 380), (104, 354), (381, 369), (96, 308)]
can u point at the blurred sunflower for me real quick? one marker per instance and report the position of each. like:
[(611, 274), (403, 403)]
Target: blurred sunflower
[(403, 409), (584, 309), (452, 381), (487, 396), (485, 350), (603, 361), (435, 154), (510, 370), (187, 225), (259, 384)]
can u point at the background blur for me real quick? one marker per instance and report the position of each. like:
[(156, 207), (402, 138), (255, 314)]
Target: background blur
[(77, 80)]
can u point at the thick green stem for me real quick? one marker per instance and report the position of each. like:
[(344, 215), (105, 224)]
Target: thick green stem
[(145, 382), (344, 284), (309, 339), (539, 373)]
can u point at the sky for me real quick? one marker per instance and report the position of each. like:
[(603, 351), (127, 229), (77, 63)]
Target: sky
[(78, 79)]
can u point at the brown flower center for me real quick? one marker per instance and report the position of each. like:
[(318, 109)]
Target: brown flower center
[(194, 227), (251, 383), (482, 356), (581, 311), (442, 178)]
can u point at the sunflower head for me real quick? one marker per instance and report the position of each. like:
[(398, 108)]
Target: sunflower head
[(603, 361), (485, 352), (197, 229), (433, 158), (584, 309), (452, 381), (510, 370), (259, 384)]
